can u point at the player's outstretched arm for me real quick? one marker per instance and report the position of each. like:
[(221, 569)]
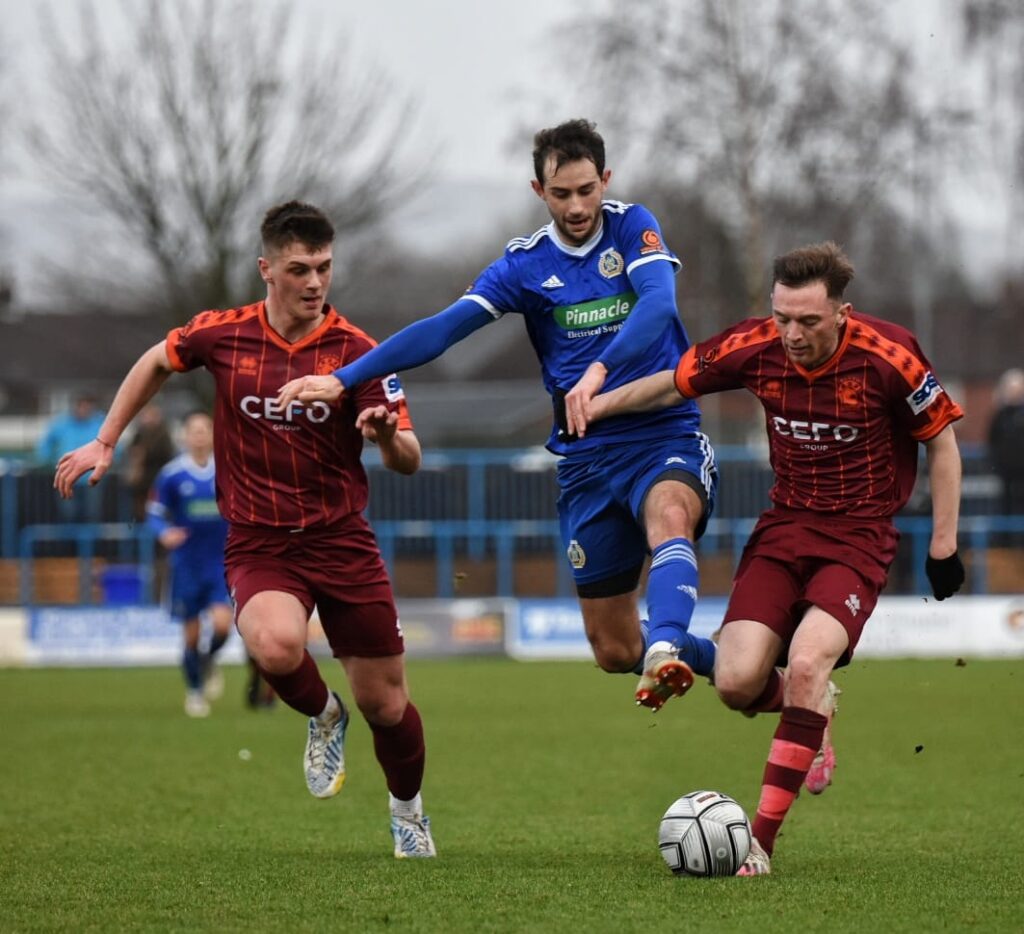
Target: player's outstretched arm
[(399, 449), (943, 566), (654, 310), (416, 344), (657, 391), (139, 386)]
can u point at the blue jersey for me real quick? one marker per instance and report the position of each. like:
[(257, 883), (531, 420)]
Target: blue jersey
[(184, 495), (575, 300)]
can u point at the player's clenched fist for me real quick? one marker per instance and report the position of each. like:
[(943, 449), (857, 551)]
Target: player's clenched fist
[(310, 389)]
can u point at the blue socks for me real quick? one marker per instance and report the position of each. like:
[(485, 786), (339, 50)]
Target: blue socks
[(671, 598)]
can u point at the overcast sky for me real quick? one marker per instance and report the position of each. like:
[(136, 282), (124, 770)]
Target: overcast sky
[(478, 70), (467, 63)]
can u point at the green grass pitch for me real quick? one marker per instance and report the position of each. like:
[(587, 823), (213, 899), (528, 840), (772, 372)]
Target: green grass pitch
[(545, 786)]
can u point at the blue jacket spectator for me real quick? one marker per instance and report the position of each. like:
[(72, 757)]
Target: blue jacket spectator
[(65, 433)]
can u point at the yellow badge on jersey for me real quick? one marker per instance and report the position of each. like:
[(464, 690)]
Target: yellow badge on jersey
[(610, 263)]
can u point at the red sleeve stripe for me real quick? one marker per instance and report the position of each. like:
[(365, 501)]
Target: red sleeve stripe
[(201, 322), (912, 371), (686, 368), (909, 368), (691, 364), (173, 340)]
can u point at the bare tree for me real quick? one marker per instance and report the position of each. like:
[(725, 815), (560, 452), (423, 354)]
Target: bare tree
[(993, 34), (782, 115), (7, 289), (177, 129)]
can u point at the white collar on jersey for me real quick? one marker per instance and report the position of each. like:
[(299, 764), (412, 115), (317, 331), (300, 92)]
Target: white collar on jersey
[(584, 248), (200, 473)]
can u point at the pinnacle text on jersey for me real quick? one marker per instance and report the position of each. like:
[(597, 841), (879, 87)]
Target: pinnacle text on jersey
[(587, 314)]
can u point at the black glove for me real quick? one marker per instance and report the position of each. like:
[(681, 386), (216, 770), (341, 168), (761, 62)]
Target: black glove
[(558, 401), (946, 575)]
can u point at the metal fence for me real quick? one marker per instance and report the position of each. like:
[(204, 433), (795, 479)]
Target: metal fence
[(494, 506)]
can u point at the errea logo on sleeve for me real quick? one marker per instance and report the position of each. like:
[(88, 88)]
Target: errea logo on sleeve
[(926, 393), (392, 387)]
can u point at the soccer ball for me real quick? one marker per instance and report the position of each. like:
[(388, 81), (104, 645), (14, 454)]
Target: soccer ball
[(704, 833)]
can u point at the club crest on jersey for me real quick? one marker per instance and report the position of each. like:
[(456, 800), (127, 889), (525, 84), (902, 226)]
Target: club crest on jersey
[(610, 263), (577, 556), (651, 242), (850, 392), (926, 393), (327, 364)]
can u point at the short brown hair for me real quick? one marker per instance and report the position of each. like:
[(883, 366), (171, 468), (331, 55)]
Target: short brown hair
[(817, 262), (568, 142), (295, 222)]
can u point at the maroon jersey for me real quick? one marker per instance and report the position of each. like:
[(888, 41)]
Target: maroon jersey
[(284, 469), (843, 437)]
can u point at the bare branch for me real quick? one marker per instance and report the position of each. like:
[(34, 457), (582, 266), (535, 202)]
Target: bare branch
[(751, 105), (183, 133)]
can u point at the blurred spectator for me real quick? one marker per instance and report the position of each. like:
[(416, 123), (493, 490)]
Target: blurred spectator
[(150, 448), (1006, 443), (64, 433), (182, 512)]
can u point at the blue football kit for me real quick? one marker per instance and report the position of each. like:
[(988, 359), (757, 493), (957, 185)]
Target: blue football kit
[(184, 495), (612, 300)]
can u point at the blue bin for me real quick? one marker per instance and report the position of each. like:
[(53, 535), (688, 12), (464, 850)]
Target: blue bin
[(122, 584)]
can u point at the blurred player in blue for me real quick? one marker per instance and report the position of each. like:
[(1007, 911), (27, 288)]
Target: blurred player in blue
[(182, 512), (596, 290)]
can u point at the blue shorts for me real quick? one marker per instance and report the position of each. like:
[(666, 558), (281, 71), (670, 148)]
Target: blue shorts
[(602, 495), (193, 593)]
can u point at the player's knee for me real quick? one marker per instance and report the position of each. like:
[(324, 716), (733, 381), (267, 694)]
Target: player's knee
[(383, 709), (679, 521), (615, 657), (804, 678), (734, 689), (274, 652)]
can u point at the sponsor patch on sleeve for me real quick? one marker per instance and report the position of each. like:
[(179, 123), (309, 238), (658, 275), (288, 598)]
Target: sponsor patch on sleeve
[(927, 392), (651, 242), (392, 387)]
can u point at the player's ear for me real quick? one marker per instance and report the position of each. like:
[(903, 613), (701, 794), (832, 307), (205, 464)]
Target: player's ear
[(844, 311), (264, 266), (606, 177), (537, 188)]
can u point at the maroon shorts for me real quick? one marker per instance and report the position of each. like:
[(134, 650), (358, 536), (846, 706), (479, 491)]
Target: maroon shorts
[(337, 569), (794, 561)]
